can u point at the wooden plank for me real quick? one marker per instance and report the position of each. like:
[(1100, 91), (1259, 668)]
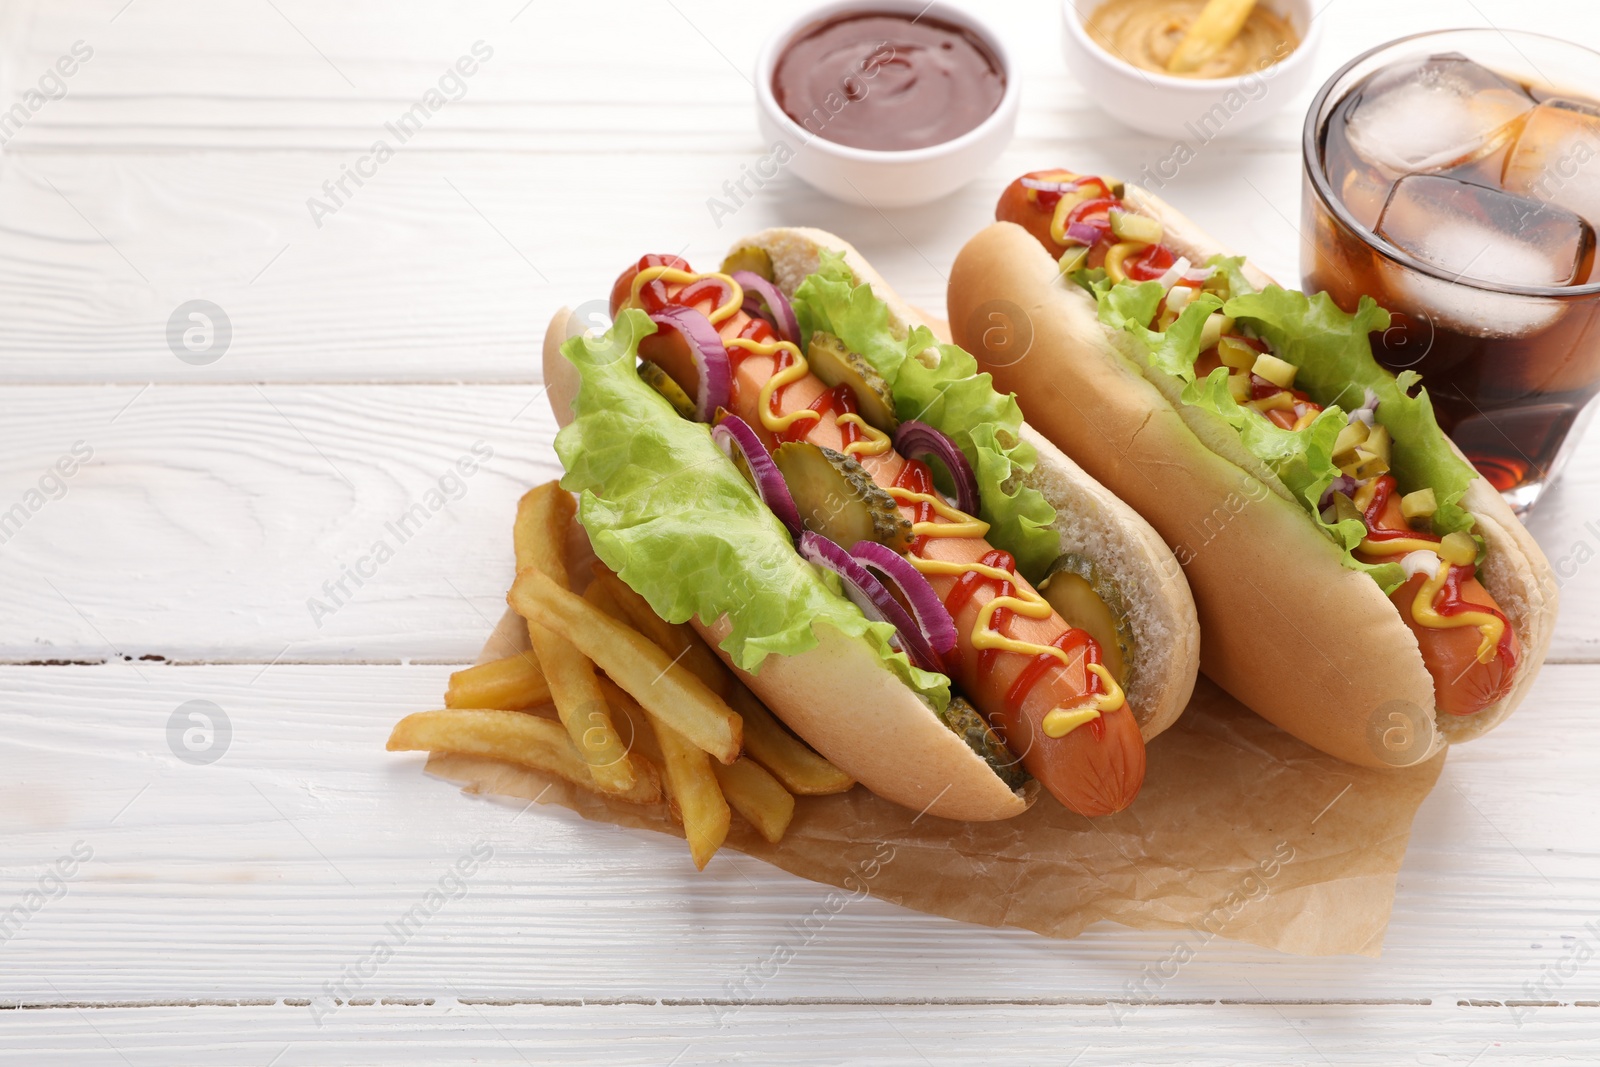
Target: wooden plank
[(209, 518), (262, 524), (273, 871), (916, 1035), (445, 267)]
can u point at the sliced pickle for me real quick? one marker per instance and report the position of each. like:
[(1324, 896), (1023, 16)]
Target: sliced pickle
[(1279, 372), (750, 258), (1087, 598), (1344, 508), (1235, 354), (838, 499), (1351, 436), (1074, 258), (662, 382), (1421, 504), (835, 364), (965, 722), (1239, 387), (1130, 227)]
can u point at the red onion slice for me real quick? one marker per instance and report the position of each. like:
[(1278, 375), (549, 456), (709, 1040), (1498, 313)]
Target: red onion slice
[(869, 594), (734, 433), (938, 629), (1086, 233), (714, 388), (777, 308), (1342, 484), (917, 439)]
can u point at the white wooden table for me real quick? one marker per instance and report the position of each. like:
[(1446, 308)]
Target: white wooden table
[(209, 913)]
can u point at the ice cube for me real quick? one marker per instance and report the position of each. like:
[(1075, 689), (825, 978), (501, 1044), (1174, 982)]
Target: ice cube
[(1444, 111), (1483, 235), (1556, 157)]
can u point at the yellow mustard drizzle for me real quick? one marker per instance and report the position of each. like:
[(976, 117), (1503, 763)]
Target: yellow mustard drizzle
[(674, 276), (983, 637), (1489, 625), (790, 374), (1399, 546), (1029, 603), (877, 442), (1062, 721), (1364, 495), (956, 524), (1058, 220), (1119, 252)]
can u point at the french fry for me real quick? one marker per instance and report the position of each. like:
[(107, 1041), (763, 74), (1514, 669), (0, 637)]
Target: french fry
[(668, 690), (540, 536), (757, 796), (515, 737), (675, 639), (799, 768), (692, 788), (515, 683), (633, 722), (601, 597), (1218, 23)]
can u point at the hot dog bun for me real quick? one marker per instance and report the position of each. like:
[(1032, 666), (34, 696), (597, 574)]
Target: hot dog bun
[(1310, 645), (841, 699)]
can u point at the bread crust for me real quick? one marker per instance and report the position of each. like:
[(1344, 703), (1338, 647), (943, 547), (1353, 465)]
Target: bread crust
[(840, 697), (1310, 645)]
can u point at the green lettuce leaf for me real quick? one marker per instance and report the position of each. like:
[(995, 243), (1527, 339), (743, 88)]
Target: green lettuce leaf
[(673, 516), (1229, 279), (953, 397), (1129, 305), (1330, 347)]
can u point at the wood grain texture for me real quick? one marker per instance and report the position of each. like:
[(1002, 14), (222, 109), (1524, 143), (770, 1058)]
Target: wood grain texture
[(304, 842), (895, 1035), (217, 501), (210, 516), (149, 183), (263, 523)]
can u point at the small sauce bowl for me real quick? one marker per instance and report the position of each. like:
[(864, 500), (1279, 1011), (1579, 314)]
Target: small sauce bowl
[(885, 179), (1195, 110)]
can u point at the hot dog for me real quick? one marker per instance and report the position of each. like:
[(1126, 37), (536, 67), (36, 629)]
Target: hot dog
[(1235, 390), (813, 408)]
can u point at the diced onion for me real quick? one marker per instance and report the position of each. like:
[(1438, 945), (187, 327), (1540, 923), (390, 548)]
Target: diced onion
[(1175, 273), (1342, 484), (1368, 410), (1421, 561), (734, 433)]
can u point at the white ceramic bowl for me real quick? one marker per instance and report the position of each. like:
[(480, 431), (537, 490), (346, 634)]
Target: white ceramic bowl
[(1194, 110), (887, 179)]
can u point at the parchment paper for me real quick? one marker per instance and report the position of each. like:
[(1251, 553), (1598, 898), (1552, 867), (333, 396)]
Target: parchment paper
[(1240, 831)]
